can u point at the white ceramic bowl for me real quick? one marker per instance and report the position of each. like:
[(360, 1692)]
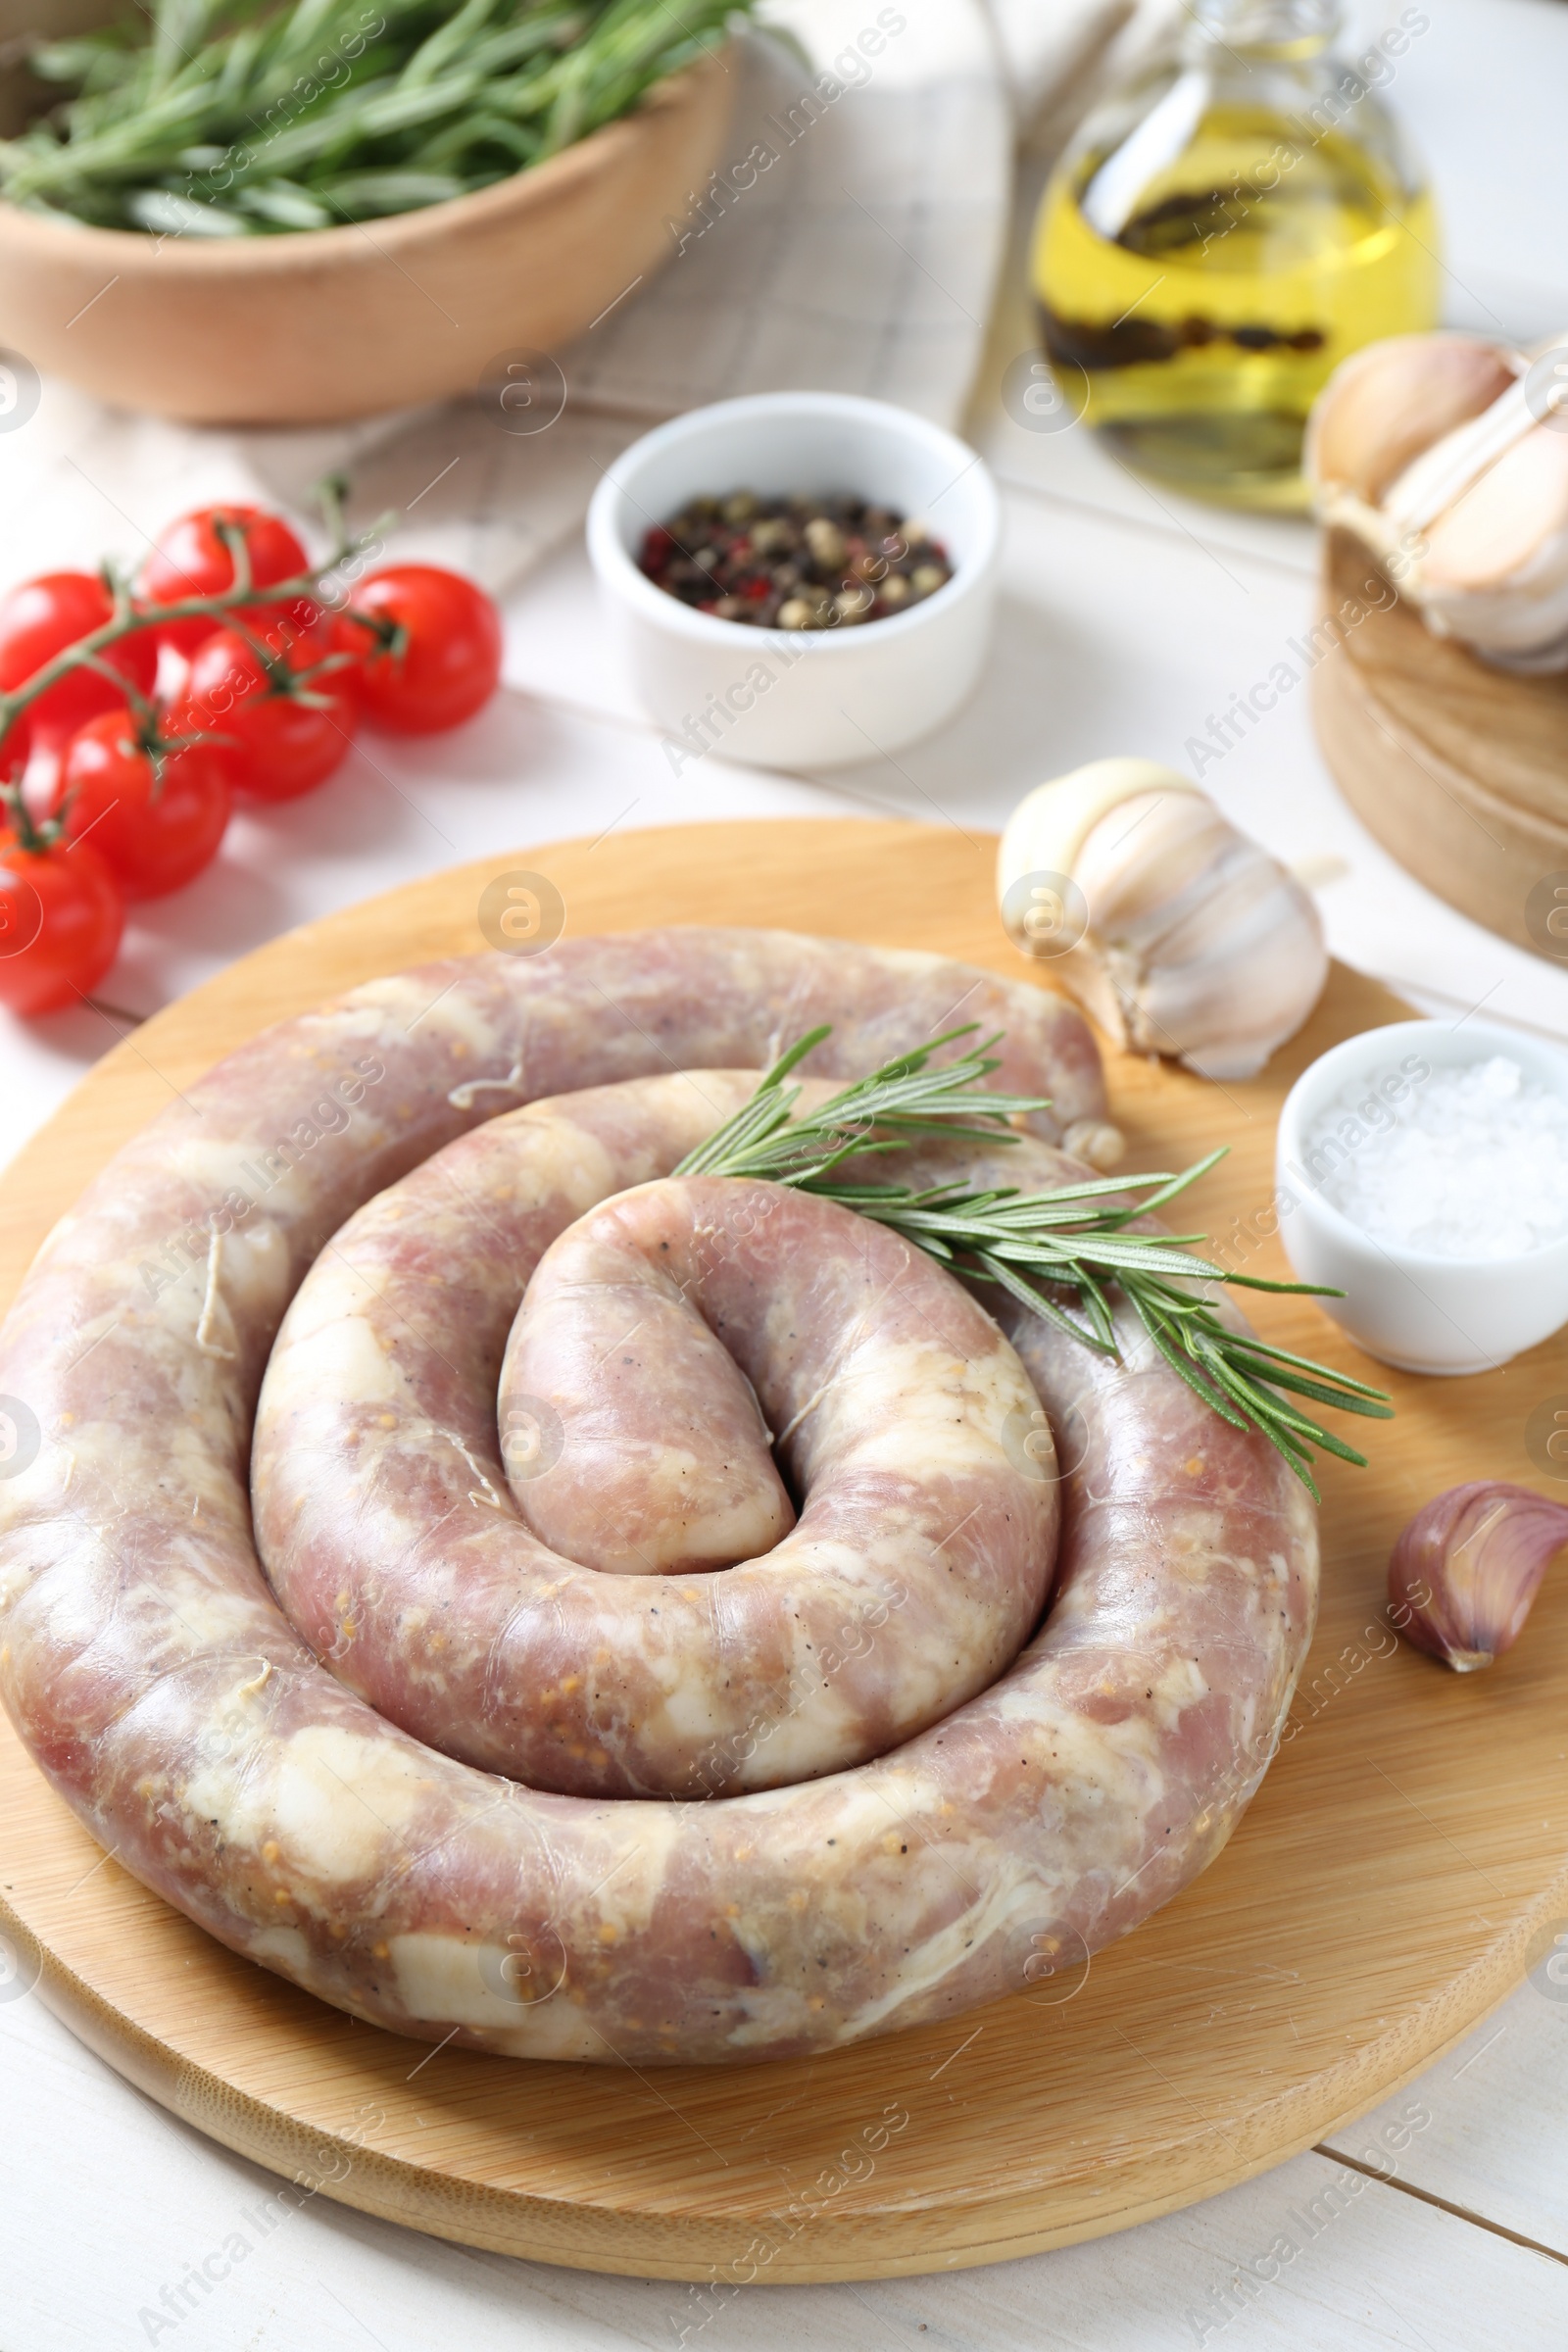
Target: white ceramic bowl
[(779, 698), (1410, 1307)]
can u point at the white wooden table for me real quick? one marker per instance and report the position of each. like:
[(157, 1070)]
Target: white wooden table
[(1128, 617)]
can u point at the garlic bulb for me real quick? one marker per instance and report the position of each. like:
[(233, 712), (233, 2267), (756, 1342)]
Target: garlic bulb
[(1176, 933), (1390, 401), (1449, 460), (1464, 1574)]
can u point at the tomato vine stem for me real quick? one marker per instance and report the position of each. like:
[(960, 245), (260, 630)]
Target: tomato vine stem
[(224, 608)]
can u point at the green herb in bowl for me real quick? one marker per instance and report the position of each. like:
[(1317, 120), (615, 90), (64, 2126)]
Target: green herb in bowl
[(211, 117)]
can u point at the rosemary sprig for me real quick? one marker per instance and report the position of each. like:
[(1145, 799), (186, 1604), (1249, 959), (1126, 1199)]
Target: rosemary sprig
[(257, 117), (1073, 1239), (903, 1098)]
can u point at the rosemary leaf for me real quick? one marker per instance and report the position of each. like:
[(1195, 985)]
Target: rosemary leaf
[(1074, 1239)]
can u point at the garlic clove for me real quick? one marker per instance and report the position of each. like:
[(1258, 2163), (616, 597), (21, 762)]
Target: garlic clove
[(1141, 863), (1465, 505), (1454, 464), (1464, 1572), (1390, 401), (1050, 825), (1495, 530), (1482, 542), (1240, 971), (1495, 569), (1195, 943), (1097, 1144)]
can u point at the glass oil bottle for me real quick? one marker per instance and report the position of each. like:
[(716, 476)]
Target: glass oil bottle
[(1221, 232)]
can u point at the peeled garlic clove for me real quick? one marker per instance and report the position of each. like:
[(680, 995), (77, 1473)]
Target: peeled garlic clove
[(1390, 401), (1097, 1144), (1464, 1574), (1174, 931)]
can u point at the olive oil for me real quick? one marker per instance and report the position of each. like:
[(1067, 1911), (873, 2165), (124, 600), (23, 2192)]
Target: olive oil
[(1217, 241)]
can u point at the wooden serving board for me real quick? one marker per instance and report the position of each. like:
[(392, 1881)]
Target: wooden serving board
[(1460, 769), (1407, 1855)]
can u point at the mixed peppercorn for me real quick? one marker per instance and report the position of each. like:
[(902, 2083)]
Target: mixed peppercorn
[(793, 563)]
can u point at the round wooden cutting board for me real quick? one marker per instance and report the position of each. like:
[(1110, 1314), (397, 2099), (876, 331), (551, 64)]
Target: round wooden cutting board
[(1408, 1851), (1460, 769)]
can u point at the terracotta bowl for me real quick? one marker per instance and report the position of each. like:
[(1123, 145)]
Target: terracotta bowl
[(324, 324)]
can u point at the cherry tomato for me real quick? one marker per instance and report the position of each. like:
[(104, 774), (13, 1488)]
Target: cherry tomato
[(273, 744), (38, 621), (60, 916), (447, 664), (156, 815), (191, 560)]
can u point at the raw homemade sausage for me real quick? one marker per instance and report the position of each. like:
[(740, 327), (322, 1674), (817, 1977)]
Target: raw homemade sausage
[(397, 1545), (155, 1679)]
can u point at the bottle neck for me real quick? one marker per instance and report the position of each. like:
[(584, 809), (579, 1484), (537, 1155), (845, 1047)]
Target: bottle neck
[(1284, 29)]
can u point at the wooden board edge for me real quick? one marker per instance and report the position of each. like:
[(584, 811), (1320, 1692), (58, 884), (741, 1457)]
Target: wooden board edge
[(1488, 879), (416, 907), (968, 2235)]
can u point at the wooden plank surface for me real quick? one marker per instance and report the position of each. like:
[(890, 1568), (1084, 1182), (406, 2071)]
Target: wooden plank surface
[(1407, 1851), (1497, 2101)]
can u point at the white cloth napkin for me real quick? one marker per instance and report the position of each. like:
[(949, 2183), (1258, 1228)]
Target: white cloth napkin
[(863, 260)]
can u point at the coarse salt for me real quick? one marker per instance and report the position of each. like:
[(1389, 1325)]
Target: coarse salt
[(1468, 1163)]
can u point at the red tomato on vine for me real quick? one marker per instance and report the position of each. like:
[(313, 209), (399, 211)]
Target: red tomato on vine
[(41, 619), (192, 559), (154, 803), (283, 719), (61, 918), (428, 646)]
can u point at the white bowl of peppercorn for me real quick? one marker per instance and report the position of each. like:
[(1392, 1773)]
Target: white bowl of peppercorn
[(796, 579)]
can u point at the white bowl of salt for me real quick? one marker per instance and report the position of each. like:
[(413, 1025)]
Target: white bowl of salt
[(1423, 1170)]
